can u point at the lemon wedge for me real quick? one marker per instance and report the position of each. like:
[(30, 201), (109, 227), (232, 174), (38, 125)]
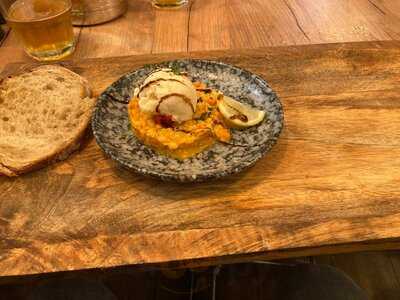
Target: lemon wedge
[(239, 115)]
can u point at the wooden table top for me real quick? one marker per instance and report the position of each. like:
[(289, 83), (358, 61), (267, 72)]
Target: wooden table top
[(331, 184), (233, 24)]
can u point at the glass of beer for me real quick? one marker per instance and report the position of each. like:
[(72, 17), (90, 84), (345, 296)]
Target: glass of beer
[(44, 27), (169, 3)]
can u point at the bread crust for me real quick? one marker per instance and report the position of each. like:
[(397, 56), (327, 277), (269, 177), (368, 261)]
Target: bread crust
[(68, 146)]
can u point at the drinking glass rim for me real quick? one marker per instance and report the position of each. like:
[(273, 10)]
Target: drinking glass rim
[(69, 6)]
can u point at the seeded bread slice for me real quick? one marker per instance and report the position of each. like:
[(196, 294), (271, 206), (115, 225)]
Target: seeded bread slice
[(43, 116)]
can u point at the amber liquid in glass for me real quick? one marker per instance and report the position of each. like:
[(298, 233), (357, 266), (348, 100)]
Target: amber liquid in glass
[(44, 27)]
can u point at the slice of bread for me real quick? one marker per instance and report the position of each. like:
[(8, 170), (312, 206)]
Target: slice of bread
[(44, 114)]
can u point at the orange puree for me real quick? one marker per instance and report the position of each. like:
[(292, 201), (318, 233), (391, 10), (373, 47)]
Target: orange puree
[(186, 139)]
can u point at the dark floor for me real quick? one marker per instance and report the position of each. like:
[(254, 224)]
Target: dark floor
[(377, 273)]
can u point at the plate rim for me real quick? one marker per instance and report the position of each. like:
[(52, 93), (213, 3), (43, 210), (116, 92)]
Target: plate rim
[(176, 177)]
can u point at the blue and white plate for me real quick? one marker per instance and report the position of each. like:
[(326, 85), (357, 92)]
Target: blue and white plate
[(111, 126)]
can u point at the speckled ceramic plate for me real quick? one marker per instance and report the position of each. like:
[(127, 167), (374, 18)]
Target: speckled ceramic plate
[(112, 130)]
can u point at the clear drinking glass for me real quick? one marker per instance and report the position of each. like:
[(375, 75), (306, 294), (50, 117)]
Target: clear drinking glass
[(169, 3), (44, 27)]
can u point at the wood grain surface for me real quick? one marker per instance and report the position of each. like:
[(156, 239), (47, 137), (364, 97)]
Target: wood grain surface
[(331, 184), (233, 24)]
